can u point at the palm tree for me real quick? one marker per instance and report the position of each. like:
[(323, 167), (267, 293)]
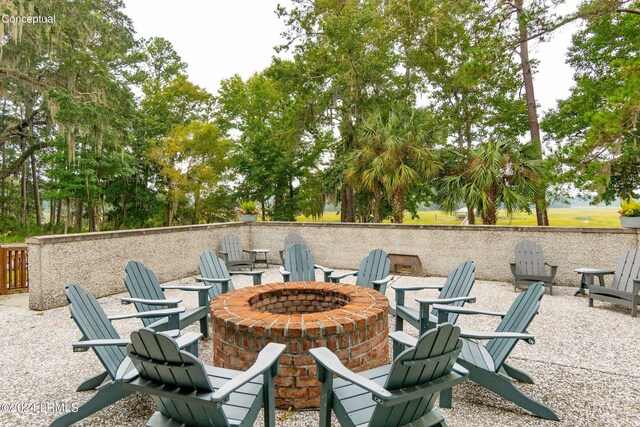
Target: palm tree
[(494, 174), (393, 154)]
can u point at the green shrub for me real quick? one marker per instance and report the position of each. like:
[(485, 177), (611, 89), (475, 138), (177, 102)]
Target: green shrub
[(629, 207)]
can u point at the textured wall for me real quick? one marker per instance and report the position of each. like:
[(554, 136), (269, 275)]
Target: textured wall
[(97, 260), (442, 248)]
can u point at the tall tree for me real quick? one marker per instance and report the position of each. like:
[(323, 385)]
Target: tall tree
[(395, 153), (597, 127), (494, 174)]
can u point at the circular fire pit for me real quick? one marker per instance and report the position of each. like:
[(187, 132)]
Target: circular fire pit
[(352, 321)]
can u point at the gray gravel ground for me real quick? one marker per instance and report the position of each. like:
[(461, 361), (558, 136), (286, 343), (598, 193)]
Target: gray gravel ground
[(585, 363)]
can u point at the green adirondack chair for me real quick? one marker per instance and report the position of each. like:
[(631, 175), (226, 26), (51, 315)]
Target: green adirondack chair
[(290, 240), (373, 272), (400, 394), (626, 284), (299, 266), (530, 266), (232, 253), (214, 272), (187, 392), (455, 291), (148, 295), (487, 363), (98, 334)]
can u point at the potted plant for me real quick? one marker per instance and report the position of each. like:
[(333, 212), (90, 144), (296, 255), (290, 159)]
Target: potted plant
[(248, 211), (629, 213)]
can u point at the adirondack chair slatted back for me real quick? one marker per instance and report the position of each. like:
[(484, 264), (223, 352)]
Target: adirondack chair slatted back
[(518, 318), (210, 266), (459, 283), (95, 325), (158, 359), (529, 258), (143, 283), (232, 245), (298, 260), (375, 266), (434, 356), (292, 239), (628, 270)]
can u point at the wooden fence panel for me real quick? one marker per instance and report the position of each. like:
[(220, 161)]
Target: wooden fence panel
[(14, 264)]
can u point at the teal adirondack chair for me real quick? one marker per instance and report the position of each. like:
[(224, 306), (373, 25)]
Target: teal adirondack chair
[(98, 334), (529, 266), (232, 252), (373, 272), (290, 240), (214, 273), (487, 363), (187, 392), (626, 284), (148, 295), (299, 266), (455, 291), (400, 394)]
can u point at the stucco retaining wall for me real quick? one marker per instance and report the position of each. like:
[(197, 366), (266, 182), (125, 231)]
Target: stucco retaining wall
[(442, 248), (97, 260)]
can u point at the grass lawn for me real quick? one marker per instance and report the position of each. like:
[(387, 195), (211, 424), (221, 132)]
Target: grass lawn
[(591, 216)]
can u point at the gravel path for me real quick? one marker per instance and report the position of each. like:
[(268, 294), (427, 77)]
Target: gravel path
[(585, 363)]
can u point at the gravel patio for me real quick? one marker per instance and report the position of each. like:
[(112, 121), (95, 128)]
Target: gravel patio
[(585, 362)]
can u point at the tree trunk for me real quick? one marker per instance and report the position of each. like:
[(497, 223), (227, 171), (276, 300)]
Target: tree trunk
[(377, 200), (23, 187), (397, 206), (534, 125), (347, 207), (67, 218), (59, 212), (79, 214), (471, 215), (36, 191), (92, 218), (52, 211), (263, 210)]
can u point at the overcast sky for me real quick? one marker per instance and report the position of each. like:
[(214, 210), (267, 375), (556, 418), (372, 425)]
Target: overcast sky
[(220, 38)]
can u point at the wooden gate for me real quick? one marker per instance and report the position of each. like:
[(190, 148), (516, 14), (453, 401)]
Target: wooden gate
[(14, 276)]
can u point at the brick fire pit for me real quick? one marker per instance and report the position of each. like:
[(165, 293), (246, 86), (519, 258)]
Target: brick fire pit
[(350, 320)]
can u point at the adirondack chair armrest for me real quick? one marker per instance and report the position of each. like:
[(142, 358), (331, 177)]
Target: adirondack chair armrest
[(465, 310), (224, 255), (188, 339), (267, 359), (403, 338), (460, 369), (149, 314), (445, 300), (326, 360), (188, 288), (550, 264), (490, 335), (382, 281), (324, 269), (247, 273), (285, 274), (211, 280), (170, 302), (403, 288), (82, 346), (335, 278)]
